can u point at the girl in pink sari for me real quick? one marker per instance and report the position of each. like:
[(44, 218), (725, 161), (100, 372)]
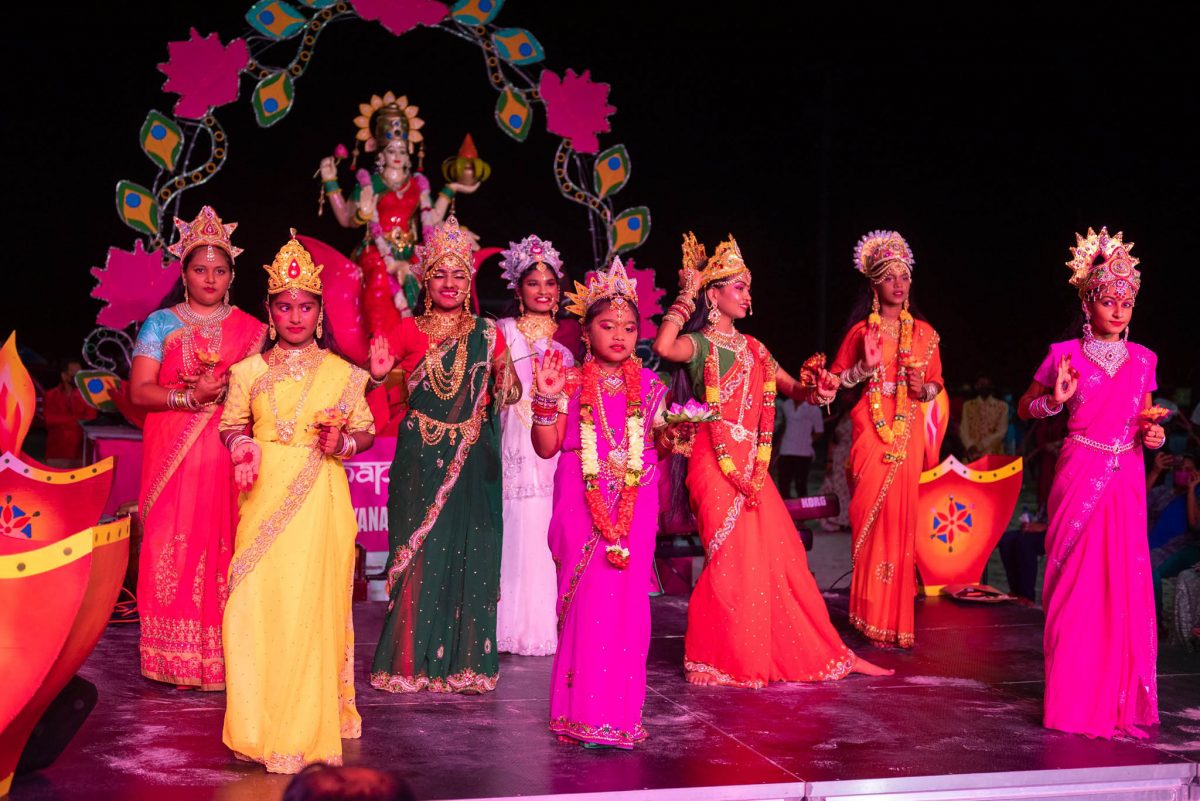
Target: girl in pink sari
[(1100, 639), (187, 501), (605, 519)]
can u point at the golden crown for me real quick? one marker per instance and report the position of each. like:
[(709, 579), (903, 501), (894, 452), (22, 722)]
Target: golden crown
[(693, 253), (614, 285), (447, 241), (293, 270), (206, 229), (726, 262), (876, 251), (1099, 260)]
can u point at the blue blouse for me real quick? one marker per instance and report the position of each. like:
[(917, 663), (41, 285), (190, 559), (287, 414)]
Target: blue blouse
[(154, 333)]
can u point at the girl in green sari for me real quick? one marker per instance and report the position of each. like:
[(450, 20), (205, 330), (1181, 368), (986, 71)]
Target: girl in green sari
[(444, 505)]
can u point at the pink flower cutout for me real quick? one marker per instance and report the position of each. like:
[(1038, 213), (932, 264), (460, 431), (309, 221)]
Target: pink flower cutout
[(132, 285), (401, 16), (576, 108), (649, 299), (203, 72)]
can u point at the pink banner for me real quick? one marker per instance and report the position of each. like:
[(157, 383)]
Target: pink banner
[(367, 473)]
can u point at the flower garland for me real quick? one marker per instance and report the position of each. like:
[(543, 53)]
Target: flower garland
[(766, 428), (875, 384), (612, 531)]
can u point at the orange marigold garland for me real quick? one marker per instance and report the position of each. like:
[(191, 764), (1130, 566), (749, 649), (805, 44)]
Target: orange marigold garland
[(875, 386), (613, 531), (720, 433)]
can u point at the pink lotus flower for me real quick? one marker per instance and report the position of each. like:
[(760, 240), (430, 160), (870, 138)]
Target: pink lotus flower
[(576, 108), (693, 411), (203, 72), (340, 152), (401, 16), (132, 285)]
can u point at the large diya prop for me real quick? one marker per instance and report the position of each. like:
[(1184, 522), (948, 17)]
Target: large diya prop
[(60, 571)]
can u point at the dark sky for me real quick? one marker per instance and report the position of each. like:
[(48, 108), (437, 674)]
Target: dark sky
[(795, 135)]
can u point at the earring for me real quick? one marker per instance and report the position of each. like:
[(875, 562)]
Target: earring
[(521, 303), (1125, 334), (185, 295), (226, 297), (554, 311), (587, 346), (906, 304), (428, 302), (874, 303), (271, 327), (750, 309), (320, 322), (714, 315)]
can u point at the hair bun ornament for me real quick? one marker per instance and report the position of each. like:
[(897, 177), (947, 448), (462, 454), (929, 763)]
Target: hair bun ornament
[(206, 229), (876, 250), (522, 255), (1100, 261)]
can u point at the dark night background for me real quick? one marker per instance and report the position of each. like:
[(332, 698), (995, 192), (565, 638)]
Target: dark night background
[(795, 135)]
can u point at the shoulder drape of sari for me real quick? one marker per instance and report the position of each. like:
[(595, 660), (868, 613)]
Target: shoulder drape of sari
[(289, 635), (444, 521), (883, 505), (598, 683), (188, 511), (756, 614), (1101, 639)]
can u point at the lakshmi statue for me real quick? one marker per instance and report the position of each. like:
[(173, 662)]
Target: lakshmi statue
[(393, 203)]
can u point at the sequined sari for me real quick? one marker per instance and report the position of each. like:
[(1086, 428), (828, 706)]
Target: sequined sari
[(883, 504), (756, 614), (1101, 640), (444, 516), (289, 635), (187, 505)]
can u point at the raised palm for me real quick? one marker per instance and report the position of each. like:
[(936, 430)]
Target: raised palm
[(550, 377), (873, 348), (382, 360)]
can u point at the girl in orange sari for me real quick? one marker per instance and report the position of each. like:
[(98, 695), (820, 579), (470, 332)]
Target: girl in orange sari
[(187, 500), (756, 614), (899, 358)]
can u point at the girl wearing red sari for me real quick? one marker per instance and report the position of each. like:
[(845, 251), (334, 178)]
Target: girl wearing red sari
[(756, 614), (187, 501), (898, 356)]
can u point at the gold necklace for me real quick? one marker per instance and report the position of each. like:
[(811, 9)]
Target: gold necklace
[(890, 327), (536, 327), (444, 385), (294, 364), (734, 340)]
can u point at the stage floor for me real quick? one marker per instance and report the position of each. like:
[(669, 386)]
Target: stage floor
[(961, 715)]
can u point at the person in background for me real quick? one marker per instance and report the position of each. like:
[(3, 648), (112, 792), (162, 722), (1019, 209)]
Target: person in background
[(984, 422), (802, 424), (65, 410), (1174, 519)]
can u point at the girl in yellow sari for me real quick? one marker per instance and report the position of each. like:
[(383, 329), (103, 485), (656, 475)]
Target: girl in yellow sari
[(293, 413)]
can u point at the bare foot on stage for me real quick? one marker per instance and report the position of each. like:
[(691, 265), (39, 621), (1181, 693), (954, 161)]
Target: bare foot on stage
[(704, 679), (870, 668)]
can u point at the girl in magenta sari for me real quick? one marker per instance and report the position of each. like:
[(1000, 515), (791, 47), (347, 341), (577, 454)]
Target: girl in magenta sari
[(187, 501), (1100, 639), (605, 519)]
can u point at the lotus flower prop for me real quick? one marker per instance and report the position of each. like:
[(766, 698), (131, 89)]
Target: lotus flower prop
[(693, 411)]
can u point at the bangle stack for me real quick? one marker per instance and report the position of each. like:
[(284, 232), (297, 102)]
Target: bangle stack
[(349, 447), (929, 392), (855, 375), (237, 441), (1044, 406), (545, 410), (359, 219), (375, 383), (182, 400), (681, 310)]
